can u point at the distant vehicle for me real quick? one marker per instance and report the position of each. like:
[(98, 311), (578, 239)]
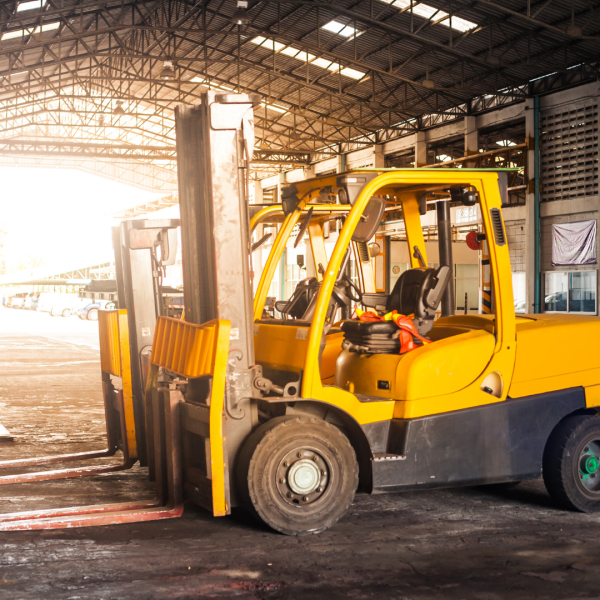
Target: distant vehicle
[(18, 300), (45, 301), (31, 302), (90, 311), (65, 305), (174, 306)]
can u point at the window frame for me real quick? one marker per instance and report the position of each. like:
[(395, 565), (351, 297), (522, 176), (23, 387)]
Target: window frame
[(569, 311)]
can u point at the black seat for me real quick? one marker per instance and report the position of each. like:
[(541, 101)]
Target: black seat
[(417, 292)]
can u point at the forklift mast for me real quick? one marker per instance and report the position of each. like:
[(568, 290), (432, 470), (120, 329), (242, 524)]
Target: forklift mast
[(143, 247)]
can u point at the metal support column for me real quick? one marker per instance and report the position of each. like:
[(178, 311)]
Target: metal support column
[(536, 213), (445, 245)]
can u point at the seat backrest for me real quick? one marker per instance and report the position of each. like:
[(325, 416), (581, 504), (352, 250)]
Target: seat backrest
[(419, 292)]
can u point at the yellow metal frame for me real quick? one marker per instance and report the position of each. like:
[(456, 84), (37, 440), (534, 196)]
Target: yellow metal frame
[(270, 214), (193, 351), (503, 358), (115, 359)]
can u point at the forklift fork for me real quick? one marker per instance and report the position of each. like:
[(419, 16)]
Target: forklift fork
[(167, 505), (114, 358)]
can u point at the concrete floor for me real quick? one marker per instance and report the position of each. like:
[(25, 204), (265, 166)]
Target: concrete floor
[(480, 543)]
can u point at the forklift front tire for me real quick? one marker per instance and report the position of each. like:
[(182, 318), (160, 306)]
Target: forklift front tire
[(298, 474), (571, 466)]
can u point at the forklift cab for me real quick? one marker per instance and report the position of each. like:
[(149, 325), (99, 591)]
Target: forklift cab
[(292, 316), (470, 358)]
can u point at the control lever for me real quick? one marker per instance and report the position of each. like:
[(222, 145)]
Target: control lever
[(417, 254), (260, 242)]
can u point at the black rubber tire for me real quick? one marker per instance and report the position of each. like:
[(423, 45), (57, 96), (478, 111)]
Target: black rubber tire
[(561, 463), (92, 314), (66, 312), (262, 456)]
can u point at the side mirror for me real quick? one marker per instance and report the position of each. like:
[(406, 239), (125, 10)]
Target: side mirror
[(370, 220)]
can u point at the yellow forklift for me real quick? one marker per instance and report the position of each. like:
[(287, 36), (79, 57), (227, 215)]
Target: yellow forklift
[(289, 416)]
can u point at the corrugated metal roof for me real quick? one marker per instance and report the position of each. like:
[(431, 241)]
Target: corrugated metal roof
[(401, 67)]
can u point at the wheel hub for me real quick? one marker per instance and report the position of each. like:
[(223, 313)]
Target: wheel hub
[(302, 477), (589, 465)]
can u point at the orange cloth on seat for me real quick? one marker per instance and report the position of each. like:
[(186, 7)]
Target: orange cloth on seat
[(408, 332)]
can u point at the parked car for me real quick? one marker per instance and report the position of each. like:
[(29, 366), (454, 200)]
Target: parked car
[(32, 301), (18, 300), (90, 311), (66, 305), (45, 302)]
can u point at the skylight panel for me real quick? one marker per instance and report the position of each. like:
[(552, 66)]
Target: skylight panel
[(272, 45), (274, 107), (306, 57), (11, 35), (322, 62), (289, 51), (427, 12), (32, 5), (47, 27), (353, 73), (341, 29), (459, 24), (505, 143), (334, 26)]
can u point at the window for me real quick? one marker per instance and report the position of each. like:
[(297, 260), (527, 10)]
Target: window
[(582, 291), (293, 272), (573, 291), (466, 287), (270, 195), (519, 282)]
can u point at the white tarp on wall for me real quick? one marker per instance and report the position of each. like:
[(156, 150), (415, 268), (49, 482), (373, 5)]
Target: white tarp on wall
[(574, 243)]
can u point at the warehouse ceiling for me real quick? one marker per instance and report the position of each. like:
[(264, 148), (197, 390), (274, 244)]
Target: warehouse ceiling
[(94, 84)]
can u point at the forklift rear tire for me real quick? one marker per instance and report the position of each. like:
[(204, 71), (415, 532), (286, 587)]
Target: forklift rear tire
[(571, 464), (297, 474)]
